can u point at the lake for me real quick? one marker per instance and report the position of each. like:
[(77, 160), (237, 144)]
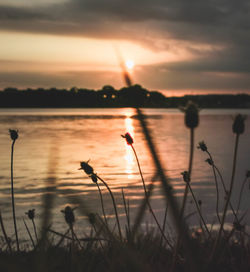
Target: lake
[(53, 142)]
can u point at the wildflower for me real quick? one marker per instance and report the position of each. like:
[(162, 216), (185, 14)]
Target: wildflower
[(239, 124), (202, 146), (87, 168), (128, 138), (186, 176), (31, 214), (69, 215), (191, 115), (209, 161), (94, 178), (13, 134)]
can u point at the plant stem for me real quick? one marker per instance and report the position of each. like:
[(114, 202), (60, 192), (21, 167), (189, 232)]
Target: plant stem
[(126, 211), (181, 226), (240, 196), (28, 231), (12, 195), (4, 233), (191, 153), (114, 204), (103, 211), (145, 192), (198, 209), (34, 226), (228, 196), (225, 190), (216, 186)]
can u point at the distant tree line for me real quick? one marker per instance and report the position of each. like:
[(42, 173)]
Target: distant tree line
[(108, 97)]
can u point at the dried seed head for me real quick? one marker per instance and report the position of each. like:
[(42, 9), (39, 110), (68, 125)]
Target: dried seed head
[(191, 115), (87, 168), (128, 138), (13, 134), (186, 176), (239, 124), (209, 161), (94, 178), (31, 214), (202, 146), (69, 215)]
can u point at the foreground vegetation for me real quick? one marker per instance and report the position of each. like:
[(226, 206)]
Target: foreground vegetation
[(111, 246)]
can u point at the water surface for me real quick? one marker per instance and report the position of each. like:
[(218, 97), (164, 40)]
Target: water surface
[(52, 142)]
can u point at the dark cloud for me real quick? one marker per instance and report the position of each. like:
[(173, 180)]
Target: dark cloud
[(222, 24)]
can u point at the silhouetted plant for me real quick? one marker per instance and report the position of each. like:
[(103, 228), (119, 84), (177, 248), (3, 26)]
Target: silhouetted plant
[(203, 147), (14, 137), (31, 216), (130, 142), (238, 129), (90, 172)]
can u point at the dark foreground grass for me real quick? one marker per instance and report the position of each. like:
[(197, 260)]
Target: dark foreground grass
[(146, 253)]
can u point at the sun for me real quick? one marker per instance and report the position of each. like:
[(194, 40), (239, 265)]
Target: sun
[(130, 64)]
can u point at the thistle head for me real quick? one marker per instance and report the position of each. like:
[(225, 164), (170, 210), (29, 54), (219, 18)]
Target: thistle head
[(191, 114), (128, 138), (86, 168), (31, 214), (239, 124), (186, 176), (69, 215), (13, 134), (202, 146), (209, 161)]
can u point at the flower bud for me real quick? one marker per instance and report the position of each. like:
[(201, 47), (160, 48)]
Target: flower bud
[(13, 134), (191, 115), (69, 215), (128, 138), (31, 214), (239, 124), (94, 178), (202, 146), (186, 176), (209, 161), (87, 168)]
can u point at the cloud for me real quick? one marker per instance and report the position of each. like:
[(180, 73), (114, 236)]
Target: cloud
[(194, 25)]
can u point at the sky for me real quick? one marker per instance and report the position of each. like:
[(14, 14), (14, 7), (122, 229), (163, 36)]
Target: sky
[(177, 46)]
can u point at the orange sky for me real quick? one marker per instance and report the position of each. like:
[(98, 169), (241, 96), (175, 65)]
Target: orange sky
[(73, 43)]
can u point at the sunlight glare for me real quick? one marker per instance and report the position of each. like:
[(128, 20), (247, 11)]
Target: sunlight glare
[(130, 64)]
